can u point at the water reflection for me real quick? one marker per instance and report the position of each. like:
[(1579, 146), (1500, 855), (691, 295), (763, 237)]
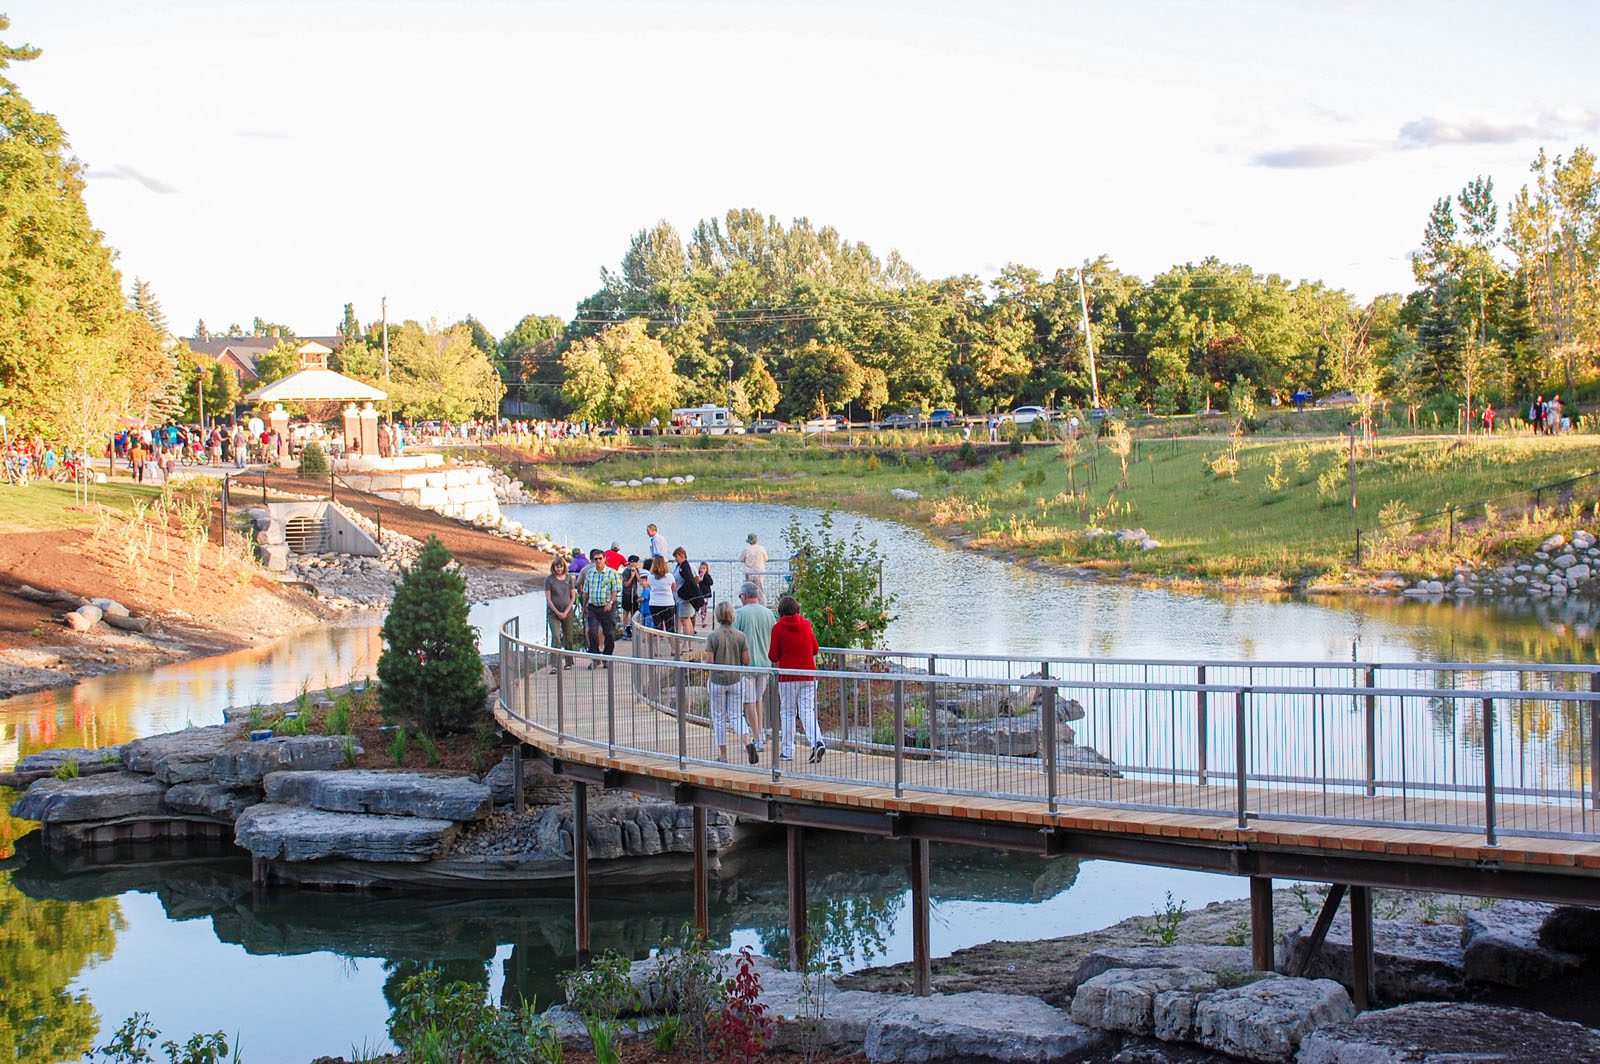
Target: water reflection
[(964, 602)]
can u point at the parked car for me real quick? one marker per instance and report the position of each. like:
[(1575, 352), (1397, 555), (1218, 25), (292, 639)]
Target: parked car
[(900, 421), (822, 424), (1027, 415), (767, 424), (1338, 399), (942, 419)]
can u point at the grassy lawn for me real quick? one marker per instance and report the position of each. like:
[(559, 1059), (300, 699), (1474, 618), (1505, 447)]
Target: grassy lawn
[(45, 505), (1284, 513)]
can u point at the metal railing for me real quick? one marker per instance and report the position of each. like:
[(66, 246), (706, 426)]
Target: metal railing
[(1494, 749)]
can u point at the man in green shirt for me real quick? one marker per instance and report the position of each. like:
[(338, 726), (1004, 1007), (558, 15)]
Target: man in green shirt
[(602, 587), (755, 621)]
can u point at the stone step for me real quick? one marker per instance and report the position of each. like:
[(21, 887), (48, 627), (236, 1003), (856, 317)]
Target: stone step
[(292, 833), (373, 791)]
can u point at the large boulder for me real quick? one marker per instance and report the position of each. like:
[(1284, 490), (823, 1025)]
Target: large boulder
[(381, 792), (976, 1028), (181, 756), (247, 764), (209, 799), (106, 796), (1412, 962), (1005, 736), (1447, 1033), (1266, 1020), (539, 785), (1214, 959), (290, 833), (1572, 929), (1500, 944), (1125, 999)]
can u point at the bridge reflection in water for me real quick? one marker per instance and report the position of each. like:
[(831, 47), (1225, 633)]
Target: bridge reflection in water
[(1467, 778)]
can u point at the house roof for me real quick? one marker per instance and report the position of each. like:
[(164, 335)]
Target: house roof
[(315, 385)]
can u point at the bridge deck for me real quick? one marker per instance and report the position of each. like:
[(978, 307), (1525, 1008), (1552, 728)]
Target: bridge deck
[(857, 779)]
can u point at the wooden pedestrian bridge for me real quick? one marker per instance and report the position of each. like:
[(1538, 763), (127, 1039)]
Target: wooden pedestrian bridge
[(1467, 778)]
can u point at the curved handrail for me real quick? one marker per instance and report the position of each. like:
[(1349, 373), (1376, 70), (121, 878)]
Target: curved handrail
[(1513, 760)]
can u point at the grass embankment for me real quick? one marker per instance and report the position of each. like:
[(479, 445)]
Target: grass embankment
[(1283, 514), (45, 505)]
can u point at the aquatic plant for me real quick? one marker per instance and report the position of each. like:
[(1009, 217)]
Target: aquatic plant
[(68, 769)]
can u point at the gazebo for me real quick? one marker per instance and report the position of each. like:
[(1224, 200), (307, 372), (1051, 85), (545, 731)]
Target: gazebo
[(311, 387)]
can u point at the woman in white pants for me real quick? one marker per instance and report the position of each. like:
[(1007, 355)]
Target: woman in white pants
[(727, 646), (793, 652)]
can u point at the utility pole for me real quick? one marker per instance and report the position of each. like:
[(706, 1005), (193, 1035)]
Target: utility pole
[(1088, 340), (200, 400), (385, 312)]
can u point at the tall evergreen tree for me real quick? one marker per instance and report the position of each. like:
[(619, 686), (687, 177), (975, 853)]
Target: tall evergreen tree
[(430, 673), (350, 327)]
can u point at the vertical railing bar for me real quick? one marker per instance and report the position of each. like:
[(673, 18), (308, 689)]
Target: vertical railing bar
[(899, 738), (1371, 740), (1048, 711), (1241, 749), (1202, 722), (1488, 773), (683, 716)]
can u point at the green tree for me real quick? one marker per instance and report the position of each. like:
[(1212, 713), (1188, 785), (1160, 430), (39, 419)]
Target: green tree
[(277, 363), (350, 326), (623, 373), (836, 582), (430, 672), (440, 373), (221, 391), (760, 389), (874, 390), (822, 377)]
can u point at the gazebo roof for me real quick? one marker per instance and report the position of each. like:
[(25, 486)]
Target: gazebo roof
[(315, 385)]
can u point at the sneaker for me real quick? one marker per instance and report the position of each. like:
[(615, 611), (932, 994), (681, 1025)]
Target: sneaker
[(816, 753), (786, 757), (755, 755)]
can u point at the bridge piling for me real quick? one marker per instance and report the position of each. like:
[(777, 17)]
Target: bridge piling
[(921, 953), (519, 802), (702, 884), (798, 946), (580, 868), (1261, 933), (1361, 962)]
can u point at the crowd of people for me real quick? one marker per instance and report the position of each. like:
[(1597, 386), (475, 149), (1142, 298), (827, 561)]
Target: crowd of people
[(612, 593)]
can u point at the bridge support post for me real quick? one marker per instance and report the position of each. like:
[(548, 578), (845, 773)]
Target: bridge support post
[(921, 953), (797, 899), (580, 869), (1261, 932), (519, 802), (702, 886), (1361, 947)]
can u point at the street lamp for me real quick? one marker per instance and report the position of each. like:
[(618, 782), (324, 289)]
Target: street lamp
[(730, 386)]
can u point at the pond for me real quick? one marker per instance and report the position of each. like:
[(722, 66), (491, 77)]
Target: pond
[(183, 936)]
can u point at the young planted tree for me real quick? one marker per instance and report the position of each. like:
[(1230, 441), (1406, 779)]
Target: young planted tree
[(431, 674), (1119, 441), (835, 580)]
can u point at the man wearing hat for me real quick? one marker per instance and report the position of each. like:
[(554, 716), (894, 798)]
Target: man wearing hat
[(754, 559)]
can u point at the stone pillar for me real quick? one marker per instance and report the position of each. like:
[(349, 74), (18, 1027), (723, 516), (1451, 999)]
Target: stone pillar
[(369, 431), (352, 431), (278, 420)]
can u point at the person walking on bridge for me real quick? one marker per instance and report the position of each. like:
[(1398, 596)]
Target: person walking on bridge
[(794, 652), (601, 590), (754, 620), (727, 646)]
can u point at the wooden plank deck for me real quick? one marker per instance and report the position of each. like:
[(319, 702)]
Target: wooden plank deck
[(864, 780)]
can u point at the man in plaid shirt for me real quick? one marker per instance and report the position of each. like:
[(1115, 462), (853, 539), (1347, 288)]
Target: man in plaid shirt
[(602, 587)]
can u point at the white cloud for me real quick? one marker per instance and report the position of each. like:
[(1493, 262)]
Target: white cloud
[(124, 172)]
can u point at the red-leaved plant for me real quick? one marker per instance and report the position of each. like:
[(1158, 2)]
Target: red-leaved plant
[(742, 1029)]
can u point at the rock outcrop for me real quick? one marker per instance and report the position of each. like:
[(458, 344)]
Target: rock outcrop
[(1500, 944), (292, 833), (1266, 1020), (248, 764), (373, 791), (109, 796), (1443, 1033), (1413, 962), (181, 756), (976, 1028)]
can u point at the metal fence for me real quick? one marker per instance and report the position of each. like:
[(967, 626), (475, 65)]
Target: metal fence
[(1501, 749)]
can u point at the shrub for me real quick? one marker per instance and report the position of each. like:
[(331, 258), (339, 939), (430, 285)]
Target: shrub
[(968, 455), (339, 716), (836, 583), (603, 989), (743, 1029), (312, 461), (430, 674)]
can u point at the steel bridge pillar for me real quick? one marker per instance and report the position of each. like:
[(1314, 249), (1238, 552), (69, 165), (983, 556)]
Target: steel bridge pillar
[(797, 899), (702, 886), (1261, 934), (580, 869), (921, 955), (519, 802), (1361, 963)]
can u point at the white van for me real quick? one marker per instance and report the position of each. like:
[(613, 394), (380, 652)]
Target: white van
[(710, 419)]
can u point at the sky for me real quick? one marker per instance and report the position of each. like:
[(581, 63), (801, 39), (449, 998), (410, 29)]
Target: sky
[(283, 158)]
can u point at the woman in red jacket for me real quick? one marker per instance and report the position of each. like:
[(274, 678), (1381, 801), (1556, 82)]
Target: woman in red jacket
[(794, 653)]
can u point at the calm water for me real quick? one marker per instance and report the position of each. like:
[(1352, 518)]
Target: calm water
[(184, 938)]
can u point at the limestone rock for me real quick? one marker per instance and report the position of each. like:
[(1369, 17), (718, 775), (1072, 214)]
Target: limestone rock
[(1442, 1033), (209, 799), (107, 796), (976, 1028), (413, 794), (1124, 999), (538, 784), (1500, 944), (1572, 929), (247, 764), (79, 621), (1213, 959), (904, 494), (181, 756), (50, 760), (1579, 572), (1414, 962), (1266, 1020), (290, 833), (1553, 544)]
